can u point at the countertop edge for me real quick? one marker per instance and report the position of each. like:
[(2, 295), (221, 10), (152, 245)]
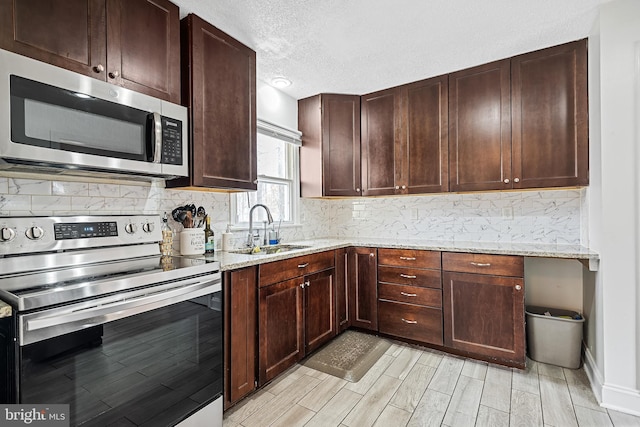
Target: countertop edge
[(230, 261)]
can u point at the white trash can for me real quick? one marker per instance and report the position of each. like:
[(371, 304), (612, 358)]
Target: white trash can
[(554, 336)]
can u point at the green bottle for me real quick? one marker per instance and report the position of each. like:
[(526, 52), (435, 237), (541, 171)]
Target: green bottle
[(209, 240)]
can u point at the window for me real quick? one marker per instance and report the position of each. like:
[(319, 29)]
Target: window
[(278, 177)]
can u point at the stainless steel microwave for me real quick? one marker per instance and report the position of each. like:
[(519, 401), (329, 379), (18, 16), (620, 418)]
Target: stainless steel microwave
[(55, 120)]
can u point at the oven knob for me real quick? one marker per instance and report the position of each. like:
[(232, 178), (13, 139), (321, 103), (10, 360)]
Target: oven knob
[(34, 233), (130, 228), (147, 227), (7, 234)]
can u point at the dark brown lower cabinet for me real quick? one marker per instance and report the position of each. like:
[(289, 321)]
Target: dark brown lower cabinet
[(411, 321), (281, 327), (343, 317), (319, 313), (297, 315), (240, 310), (363, 304), (484, 316)]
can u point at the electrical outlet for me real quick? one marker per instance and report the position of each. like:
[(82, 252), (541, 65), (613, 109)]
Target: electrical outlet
[(507, 213)]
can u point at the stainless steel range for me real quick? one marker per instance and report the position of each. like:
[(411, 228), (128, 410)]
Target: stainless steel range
[(102, 322)]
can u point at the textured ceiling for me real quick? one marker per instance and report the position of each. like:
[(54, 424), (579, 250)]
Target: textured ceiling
[(360, 46)]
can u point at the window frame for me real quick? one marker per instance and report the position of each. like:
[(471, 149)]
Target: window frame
[(293, 141)]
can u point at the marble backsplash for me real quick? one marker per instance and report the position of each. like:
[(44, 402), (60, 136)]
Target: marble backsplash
[(545, 216)]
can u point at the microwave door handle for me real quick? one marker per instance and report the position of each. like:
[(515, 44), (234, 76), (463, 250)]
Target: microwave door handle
[(157, 138)]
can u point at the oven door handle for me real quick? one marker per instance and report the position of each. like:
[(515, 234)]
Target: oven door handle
[(39, 326)]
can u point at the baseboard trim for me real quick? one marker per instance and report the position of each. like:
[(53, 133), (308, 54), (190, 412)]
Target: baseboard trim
[(621, 399), (593, 373)]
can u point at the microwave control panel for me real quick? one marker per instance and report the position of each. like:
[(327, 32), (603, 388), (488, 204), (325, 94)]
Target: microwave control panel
[(171, 141)]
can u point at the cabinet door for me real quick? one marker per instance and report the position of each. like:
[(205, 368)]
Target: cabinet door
[(240, 309), (221, 92), (343, 318), (550, 117), (484, 315), (427, 130), (480, 128), (379, 126), (281, 327), (341, 145), (320, 316), (66, 33), (363, 288), (143, 47)]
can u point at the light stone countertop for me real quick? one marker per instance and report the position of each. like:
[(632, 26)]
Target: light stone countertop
[(231, 261), (5, 309)]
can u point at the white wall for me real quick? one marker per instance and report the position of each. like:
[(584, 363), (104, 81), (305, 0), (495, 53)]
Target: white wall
[(617, 233), (276, 106), (555, 283), (592, 304)]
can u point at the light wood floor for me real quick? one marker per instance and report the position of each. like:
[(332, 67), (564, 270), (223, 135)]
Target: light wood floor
[(413, 386)]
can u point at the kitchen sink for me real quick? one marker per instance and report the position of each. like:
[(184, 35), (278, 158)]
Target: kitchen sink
[(268, 250)]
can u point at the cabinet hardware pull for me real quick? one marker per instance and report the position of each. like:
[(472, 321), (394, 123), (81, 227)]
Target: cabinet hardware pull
[(308, 283), (407, 276), (518, 288), (516, 179), (372, 255), (98, 68), (397, 187), (404, 187), (408, 258), (303, 265), (411, 322), (357, 190), (114, 74), (302, 285), (481, 264), (506, 180), (408, 295)]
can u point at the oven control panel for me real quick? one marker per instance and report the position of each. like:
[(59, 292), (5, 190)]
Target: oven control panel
[(85, 230), (23, 235)]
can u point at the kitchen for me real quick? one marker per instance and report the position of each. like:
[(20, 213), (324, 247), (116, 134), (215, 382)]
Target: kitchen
[(599, 216)]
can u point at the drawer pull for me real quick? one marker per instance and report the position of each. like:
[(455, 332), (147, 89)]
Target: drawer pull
[(481, 264), (408, 258), (303, 265), (411, 322), (407, 276), (408, 295)]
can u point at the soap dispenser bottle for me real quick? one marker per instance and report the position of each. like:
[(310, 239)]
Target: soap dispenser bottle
[(227, 239)]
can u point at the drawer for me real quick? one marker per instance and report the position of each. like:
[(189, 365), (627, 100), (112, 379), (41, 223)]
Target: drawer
[(410, 321), (410, 276), (409, 258), (278, 271), (410, 294), (496, 265)]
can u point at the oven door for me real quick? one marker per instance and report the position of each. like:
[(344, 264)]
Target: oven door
[(152, 358)]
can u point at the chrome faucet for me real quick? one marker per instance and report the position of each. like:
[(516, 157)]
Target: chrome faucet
[(250, 238)]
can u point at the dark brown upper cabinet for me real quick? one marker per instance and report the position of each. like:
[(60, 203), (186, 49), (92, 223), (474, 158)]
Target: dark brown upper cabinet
[(380, 124), (480, 128), (426, 153), (134, 44), (219, 87), (521, 122), (549, 116), (404, 139), (330, 153)]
